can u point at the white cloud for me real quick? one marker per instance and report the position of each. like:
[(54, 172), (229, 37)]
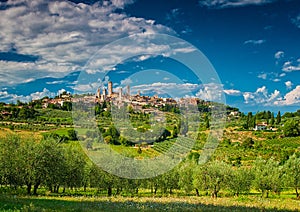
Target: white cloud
[(262, 76), (187, 29), (126, 81), (248, 96), (291, 98), (16, 72), (232, 3), (39, 95), (262, 90), (296, 21), (211, 92), (56, 82), (282, 75), (261, 96), (122, 72), (8, 97), (142, 58), (289, 66), (274, 96), (254, 42), (278, 55), (62, 34), (28, 80), (3, 94), (173, 15), (183, 50), (288, 84), (233, 92), (121, 3), (272, 76)]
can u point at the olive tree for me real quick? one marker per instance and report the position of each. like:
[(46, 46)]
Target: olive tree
[(11, 161), (200, 179), (292, 173), (75, 163), (49, 165), (268, 176), (241, 181), (185, 176), (213, 176)]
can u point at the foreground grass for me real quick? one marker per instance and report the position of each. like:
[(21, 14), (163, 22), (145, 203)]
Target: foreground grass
[(251, 203)]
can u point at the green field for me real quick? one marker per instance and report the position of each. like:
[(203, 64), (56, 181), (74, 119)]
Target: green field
[(249, 203)]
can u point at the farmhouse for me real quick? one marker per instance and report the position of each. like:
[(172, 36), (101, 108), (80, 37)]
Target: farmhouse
[(260, 126)]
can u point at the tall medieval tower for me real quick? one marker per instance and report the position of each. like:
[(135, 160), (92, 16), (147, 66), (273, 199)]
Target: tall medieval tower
[(110, 89), (128, 90), (98, 93)]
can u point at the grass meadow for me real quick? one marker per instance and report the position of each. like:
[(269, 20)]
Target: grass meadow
[(169, 203)]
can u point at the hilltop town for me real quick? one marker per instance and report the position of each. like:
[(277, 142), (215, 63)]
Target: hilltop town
[(120, 97)]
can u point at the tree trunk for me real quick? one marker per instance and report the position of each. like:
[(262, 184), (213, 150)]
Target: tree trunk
[(109, 191), (215, 192), (197, 192), (29, 188), (35, 188), (297, 193), (56, 189)]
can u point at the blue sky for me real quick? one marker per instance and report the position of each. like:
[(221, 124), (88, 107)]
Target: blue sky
[(253, 46)]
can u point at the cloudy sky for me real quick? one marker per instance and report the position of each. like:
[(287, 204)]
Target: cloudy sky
[(253, 45)]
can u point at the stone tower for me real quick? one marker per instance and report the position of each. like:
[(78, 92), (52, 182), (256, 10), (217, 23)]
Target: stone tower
[(110, 89), (120, 93), (98, 93), (128, 90), (103, 96)]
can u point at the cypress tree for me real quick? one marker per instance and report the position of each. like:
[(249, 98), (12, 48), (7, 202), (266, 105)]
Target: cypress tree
[(278, 118)]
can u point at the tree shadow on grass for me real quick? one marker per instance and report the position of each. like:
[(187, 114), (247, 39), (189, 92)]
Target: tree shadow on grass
[(12, 203)]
